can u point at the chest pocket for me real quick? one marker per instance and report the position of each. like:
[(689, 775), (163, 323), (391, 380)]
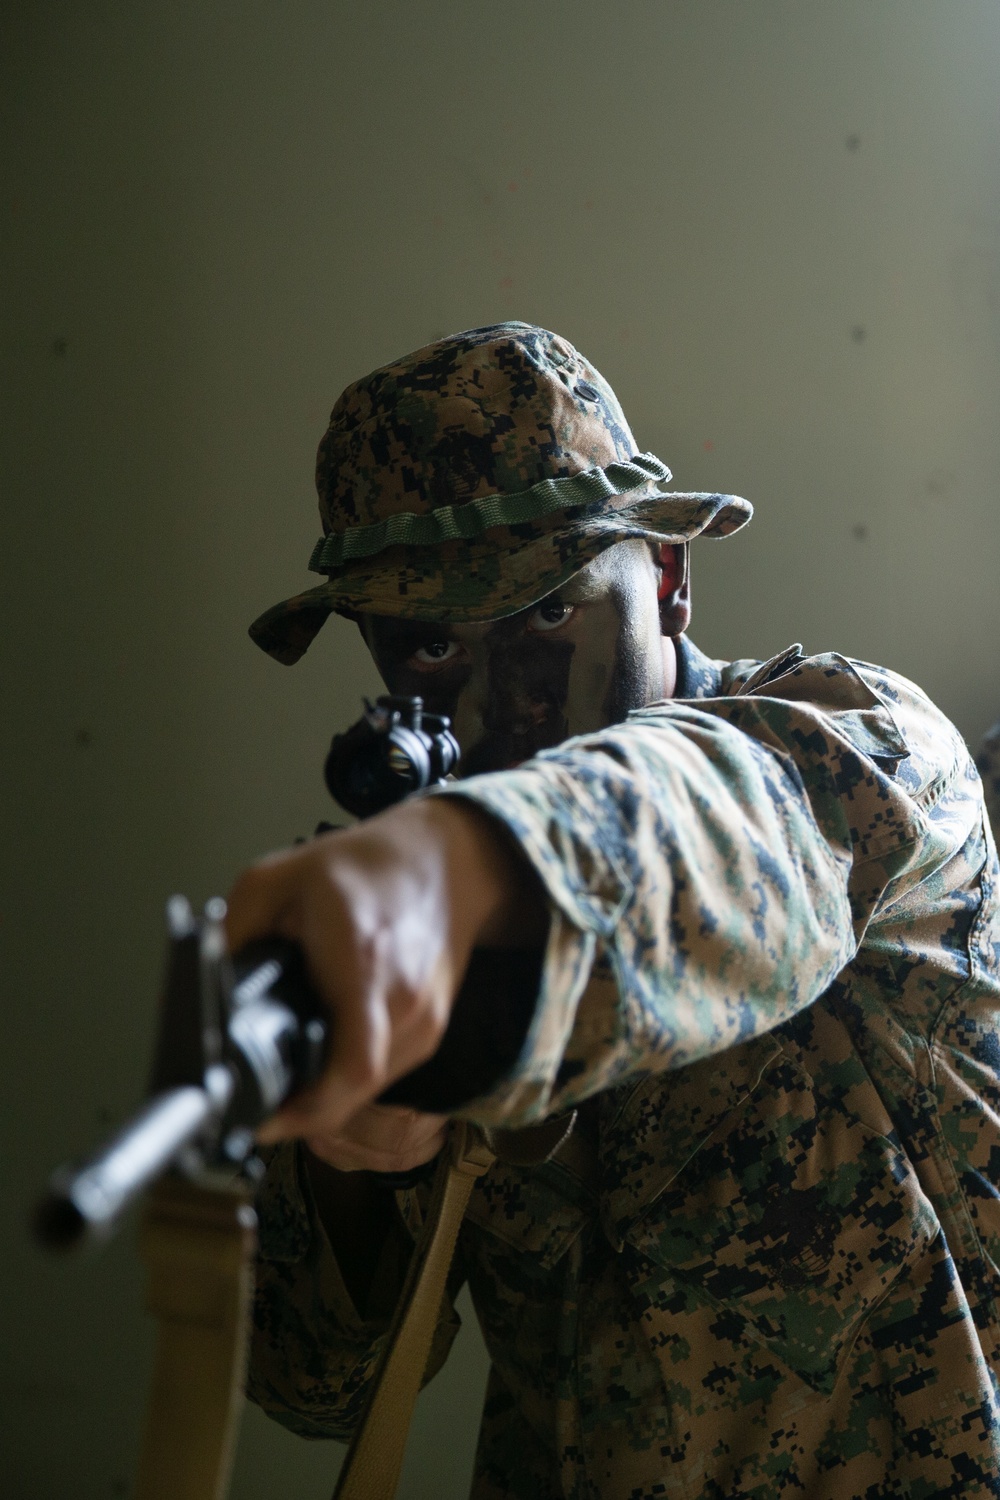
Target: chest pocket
[(540, 1209), (796, 1214)]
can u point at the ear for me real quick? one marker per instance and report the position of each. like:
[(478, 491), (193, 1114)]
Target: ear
[(674, 589)]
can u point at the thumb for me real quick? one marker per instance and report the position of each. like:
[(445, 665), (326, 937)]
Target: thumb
[(261, 901)]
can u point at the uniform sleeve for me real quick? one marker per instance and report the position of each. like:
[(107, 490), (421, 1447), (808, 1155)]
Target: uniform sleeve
[(699, 864), (312, 1350)]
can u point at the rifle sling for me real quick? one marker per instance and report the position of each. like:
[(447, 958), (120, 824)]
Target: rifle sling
[(199, 1248), (371, 1467), (198, 1244)]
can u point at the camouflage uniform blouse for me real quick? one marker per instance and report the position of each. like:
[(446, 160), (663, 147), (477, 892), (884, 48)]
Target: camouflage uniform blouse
[(770, 1265)]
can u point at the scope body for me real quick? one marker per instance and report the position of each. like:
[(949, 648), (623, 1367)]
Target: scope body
[(394, 749)]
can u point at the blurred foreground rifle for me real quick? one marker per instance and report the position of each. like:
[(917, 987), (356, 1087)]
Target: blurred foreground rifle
[(238, 1035)]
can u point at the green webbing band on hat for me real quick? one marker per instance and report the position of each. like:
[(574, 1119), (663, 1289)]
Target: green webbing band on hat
[(464, 522)]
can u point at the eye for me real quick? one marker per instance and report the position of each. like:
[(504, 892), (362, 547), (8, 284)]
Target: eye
[(434, 654), (549, 616)]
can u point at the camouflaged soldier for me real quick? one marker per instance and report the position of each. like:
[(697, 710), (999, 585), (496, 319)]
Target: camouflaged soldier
[(745, 926)]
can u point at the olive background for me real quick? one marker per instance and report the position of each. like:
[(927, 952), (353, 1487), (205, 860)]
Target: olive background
[(774, 227)]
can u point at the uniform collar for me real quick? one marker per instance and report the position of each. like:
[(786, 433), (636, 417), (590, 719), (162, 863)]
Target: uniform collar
[(698, 676)]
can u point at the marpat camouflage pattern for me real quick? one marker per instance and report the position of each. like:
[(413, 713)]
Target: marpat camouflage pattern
[(471, 478), (770, 1266)]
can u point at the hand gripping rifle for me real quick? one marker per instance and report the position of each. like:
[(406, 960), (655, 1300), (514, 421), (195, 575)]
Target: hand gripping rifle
[(238, 1035)]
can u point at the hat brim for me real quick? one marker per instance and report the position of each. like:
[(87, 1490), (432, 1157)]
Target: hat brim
[(489, 578)]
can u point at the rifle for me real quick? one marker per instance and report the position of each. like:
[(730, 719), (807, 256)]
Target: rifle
[(239, 1034)]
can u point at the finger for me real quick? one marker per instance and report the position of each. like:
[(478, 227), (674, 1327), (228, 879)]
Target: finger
[(261, 901), (347, 1157), (307, 1112), (350, 1154), (379, 1128), (361, 1036), (393, 1128), (284, 1126), (326, 1107), (267, 898)]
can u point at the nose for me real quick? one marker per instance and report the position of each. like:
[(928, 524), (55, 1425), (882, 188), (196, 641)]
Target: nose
[(470, 709), (512, 703), (518, 691)]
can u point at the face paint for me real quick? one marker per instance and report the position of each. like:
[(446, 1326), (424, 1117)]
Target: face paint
[(523, 708), (575, 662)]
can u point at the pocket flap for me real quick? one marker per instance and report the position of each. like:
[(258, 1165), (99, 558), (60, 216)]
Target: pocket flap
[(539, 1210), (665, 1120)]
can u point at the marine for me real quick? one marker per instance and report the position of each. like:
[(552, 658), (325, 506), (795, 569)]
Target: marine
[(744, 938)]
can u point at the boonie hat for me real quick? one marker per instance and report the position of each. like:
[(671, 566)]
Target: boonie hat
[(471, 478)]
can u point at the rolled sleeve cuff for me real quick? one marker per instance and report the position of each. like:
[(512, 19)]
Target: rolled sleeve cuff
[(588, 891), (542, 810)]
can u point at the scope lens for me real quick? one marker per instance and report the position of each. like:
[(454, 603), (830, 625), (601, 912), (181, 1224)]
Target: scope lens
[(399, 762)]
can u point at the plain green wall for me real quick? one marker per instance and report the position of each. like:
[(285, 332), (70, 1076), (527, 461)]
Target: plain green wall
[(775, 227)]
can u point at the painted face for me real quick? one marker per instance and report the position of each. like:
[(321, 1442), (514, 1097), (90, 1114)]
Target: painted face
[(577, 661)]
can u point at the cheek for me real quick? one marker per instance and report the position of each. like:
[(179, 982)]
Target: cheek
[(592, 670), (467, 717), (468, 707), (440, 691)]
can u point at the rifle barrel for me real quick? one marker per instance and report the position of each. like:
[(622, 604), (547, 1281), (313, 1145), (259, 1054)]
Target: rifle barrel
[(83, 1202)]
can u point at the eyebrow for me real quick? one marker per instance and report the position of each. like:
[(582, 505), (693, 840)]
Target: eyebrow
[(582, 588), (381, 633)]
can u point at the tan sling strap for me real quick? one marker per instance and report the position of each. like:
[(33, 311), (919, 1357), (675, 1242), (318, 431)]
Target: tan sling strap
[(375, 1456), (198, 1244)]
